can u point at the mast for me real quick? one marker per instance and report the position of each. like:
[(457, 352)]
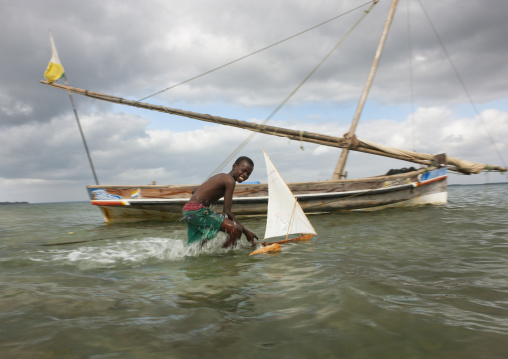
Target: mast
[(54, 72), (339, 169)]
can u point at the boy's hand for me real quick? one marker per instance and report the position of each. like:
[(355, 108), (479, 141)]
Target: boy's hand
[(250, 237)]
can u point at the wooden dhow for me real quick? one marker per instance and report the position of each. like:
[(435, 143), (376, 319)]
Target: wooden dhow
[(427, 185)]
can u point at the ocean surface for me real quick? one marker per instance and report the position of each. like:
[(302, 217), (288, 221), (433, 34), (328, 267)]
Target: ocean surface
[(424, 282)]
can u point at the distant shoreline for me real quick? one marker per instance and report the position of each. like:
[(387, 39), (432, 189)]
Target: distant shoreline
[(24, 202)]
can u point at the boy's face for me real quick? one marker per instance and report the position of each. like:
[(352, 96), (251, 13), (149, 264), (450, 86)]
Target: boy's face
[(242, 171)]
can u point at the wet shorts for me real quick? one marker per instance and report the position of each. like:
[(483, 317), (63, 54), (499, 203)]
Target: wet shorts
[(202, 224)]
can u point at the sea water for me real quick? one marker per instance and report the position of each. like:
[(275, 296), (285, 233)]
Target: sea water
[(423, 282)]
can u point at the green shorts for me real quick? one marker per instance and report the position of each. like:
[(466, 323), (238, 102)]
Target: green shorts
[(202, 224)]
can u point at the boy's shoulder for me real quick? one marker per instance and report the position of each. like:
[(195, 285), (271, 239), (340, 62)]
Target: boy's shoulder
[(222, 177)]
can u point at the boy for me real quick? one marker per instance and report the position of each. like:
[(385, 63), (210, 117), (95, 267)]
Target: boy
[(204, 224)]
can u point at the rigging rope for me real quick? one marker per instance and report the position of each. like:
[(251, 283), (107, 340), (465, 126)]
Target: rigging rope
[(462, 83), (255, 52), (411, 87), (249, 138)]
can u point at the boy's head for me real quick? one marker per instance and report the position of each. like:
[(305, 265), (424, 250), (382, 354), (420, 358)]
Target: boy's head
[(244, 158), (242, 168)]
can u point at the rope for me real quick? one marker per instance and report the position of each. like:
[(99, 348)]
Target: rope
[(462, 83), (249, 138), (411, 87), (256, 52)]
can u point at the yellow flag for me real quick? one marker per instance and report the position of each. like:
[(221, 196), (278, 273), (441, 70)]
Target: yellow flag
[(55, 69)]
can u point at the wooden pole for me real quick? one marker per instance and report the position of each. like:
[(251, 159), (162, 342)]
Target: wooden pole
[(341, 164), (269, 130), (85, 144), (311, 137)]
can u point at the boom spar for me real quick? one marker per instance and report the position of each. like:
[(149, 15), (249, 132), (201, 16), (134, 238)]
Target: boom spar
[(351, 143)]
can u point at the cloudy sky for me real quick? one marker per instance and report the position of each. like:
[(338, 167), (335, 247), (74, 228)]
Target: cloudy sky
[(134, 49)]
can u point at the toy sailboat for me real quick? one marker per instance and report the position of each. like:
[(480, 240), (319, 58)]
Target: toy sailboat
[(285, 216)]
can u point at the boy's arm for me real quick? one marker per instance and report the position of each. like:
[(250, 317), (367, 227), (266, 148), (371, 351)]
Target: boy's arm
[(228, 204)]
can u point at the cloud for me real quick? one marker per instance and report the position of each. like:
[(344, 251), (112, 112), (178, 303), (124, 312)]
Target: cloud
[(133, 49)]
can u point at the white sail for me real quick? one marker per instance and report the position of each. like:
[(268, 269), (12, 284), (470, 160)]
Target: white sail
[(285, 216)]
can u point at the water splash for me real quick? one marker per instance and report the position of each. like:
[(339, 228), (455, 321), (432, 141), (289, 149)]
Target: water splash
[(131, 253)]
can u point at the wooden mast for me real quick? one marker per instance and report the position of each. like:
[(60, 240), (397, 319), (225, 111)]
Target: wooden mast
[(339, 169)]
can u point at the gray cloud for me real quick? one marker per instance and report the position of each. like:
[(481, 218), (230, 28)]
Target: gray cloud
[(133, 49)]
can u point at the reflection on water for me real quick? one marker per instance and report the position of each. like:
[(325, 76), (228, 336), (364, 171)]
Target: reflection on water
[(412, 283)]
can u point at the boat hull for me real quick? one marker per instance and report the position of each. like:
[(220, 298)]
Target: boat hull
[(154, 202)]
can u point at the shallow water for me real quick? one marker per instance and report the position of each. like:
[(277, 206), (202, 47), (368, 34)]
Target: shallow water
[(426, 282)]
